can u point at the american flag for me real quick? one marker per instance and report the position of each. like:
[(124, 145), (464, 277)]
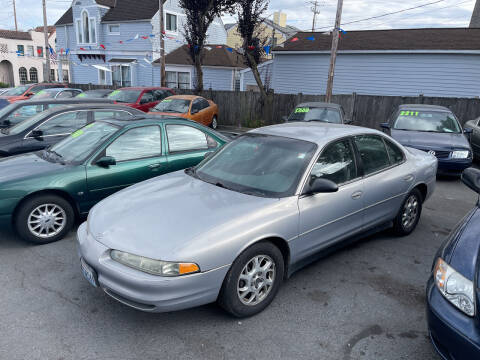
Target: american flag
[(53, 56)]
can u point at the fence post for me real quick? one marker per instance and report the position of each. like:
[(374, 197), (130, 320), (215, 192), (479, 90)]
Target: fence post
[(352, 107)]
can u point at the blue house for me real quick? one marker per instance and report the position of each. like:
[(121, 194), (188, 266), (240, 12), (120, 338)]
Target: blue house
[(432, 62), (114, 42)]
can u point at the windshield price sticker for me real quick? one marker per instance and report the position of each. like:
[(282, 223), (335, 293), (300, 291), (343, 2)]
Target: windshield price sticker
[(115, 92), (167, 101), (302, 110), (409, 113), (77, 133), (81, 95)]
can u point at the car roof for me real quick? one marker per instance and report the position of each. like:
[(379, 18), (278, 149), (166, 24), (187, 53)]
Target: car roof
[(185, 97), (94, 106), (60, 89), (145, 88), (63, 101), (423, 107), (320, 105), (145, 120), (315, 132)]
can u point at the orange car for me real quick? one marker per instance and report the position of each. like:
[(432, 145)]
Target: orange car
[(191, 107)]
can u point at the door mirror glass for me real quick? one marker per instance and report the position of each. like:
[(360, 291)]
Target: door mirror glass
[(29, 94), (467, 131), (385, 126), (348, 121), (318, 186), (471, 178), (106, 161)]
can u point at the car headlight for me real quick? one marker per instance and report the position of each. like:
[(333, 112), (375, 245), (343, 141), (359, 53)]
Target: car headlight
[(454, 287), (154, 267), (464, 154)]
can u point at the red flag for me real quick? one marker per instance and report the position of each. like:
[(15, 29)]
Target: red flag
[(102, 46), (295, 39), (82, 49), (251, 47)]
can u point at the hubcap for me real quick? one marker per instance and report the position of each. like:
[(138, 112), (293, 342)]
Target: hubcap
[(256, 280), (214, 123), (410, 212), (47, 220)]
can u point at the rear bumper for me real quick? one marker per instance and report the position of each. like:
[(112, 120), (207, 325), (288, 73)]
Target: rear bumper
[(453, 167), (453, 334)]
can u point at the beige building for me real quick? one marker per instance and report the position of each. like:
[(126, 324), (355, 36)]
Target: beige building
[(273, 33), (23, 56)]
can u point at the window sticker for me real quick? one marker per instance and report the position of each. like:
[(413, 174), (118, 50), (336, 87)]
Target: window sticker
[(167, 100), (409, 113), (116, 92), (302, 110), (77, 134), (82, 95)]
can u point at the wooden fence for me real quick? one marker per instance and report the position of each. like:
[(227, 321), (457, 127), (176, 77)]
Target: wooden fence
[(244, 109)]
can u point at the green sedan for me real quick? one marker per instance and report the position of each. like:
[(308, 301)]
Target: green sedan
[(42, 194)]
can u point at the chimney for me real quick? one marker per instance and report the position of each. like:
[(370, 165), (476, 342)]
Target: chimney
[(280, 18), (475, 22)]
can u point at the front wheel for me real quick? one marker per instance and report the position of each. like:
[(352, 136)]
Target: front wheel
[(409, 215), (253, 280), (44, 219), (214, 123)]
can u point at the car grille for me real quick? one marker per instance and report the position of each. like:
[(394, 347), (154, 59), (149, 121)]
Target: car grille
[(440, 154)]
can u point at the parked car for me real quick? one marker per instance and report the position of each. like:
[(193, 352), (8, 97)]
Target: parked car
[(17, 112), (318, 111), (433, 129), (49, 127), (141, 98), (43, 193), (24, 92), (474, 136), (191, 107), (452, 291), (4, 90), (56, 93), (236, 225), (95, 94)]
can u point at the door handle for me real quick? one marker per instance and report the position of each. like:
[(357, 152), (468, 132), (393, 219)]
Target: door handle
[(408, 178), (357, 195), (155, 166)]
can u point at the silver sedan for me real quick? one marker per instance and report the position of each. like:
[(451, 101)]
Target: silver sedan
[(233, 228)]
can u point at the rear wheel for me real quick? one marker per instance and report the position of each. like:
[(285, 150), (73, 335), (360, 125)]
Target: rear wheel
[(253, 280), (44, 219), (409, 215), (214, 123)]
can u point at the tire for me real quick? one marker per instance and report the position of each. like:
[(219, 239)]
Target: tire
[(33, 212), (229, 298), (409, 214), (214, 124)]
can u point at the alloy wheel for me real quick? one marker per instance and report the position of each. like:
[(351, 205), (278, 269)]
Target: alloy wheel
[(256, 280), (47, 220), (410, 212)]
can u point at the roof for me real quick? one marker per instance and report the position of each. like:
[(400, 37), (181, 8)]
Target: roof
[(50, 29), (288, 30), (320, 105), (319, 133), (475, 20), (218, 55), (408, 39), (15, 35), (120, 10), (423, 107), (229, 26)]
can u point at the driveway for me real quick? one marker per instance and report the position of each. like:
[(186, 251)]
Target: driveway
[(366, 301)]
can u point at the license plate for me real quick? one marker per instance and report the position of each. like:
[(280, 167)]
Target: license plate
[(89, 273)]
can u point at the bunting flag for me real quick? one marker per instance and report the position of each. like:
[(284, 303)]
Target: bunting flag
[(67, 51), (251, 47), (295, 39), (229, 49), (311, 38), (136, 37), (208, 48), (102, 46), (267, 49)]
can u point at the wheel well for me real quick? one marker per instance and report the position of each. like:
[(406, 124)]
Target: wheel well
[(423, 190), (282, 245), (60, 193)]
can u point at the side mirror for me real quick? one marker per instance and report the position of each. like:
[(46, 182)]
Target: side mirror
[(208, 154), (467, 131), (318, 185), (29, 94), (348, 121), (285, 118), (6, 123), (471, 178), (37, 134), (385, 126), (106, 162)]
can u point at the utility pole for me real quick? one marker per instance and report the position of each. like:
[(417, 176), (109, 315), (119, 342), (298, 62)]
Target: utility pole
[(15, 15), (163, 80), (316, 11), (47, 46), (333, 56)]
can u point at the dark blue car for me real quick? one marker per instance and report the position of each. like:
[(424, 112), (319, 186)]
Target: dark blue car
[(453, 294), (433, 129)]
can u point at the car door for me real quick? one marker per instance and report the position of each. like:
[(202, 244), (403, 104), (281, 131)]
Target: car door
[(187, 146), (147, 101), (55, 129), (327, 218), (387, 178), (138, 154), (475, 137)]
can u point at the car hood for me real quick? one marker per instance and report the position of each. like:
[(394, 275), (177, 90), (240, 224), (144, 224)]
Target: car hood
[(427, 140), (23, 166), (174, 217)]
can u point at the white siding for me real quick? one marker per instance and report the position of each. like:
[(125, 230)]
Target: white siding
[(266, 74), (217, 78)]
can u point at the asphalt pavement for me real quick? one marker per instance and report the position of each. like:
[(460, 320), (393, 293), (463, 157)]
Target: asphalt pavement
[(366, 301)]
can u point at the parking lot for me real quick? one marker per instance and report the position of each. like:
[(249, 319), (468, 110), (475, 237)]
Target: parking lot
[(363, 302)]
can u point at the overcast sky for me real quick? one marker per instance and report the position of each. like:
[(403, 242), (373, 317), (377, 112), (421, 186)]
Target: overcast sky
[(445, 13)]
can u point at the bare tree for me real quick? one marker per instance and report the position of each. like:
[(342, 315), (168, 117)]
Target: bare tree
[(200, 15), (250, 18)]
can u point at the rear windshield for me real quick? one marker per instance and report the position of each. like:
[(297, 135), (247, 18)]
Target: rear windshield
[(125, 96), (173, 106), (427, 121), (328, 115), (19, 90)]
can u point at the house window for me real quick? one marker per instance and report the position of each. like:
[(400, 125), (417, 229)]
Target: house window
[(79, 32), (114, 29), (178, 80), (171, 23), (22, 72), (3, 48), (86, 29), (21, 50), (33, 75), (40, 51), (102, 77), (65, 76), (52, 74), (121, 75), (30, 50)]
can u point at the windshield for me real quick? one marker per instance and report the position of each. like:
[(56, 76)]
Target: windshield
[(79, 145), (25, 124), (92, 95), (19, 90), (173, 106), (125, 96), (316, 114), (261, 165), (44, 94), (428, 121)]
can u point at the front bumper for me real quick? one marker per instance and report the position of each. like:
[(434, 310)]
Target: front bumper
[(147, 292), (454, 335), (453, 166)]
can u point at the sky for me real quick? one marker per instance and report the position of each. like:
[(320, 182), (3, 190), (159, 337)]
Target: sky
[(444, 13)]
